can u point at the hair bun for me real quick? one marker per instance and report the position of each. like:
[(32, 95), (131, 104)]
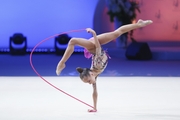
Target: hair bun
[(79, 69)]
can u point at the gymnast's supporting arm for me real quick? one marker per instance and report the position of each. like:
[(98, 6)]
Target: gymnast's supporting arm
[(94, 95)]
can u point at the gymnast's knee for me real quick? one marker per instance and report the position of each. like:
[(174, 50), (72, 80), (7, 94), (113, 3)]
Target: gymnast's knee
[(72, 41)]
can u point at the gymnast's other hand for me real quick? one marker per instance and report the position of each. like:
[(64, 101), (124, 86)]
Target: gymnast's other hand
[(89, 30), (60, 67)]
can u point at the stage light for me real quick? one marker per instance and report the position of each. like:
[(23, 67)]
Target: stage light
[(18, 44), (61, 43)]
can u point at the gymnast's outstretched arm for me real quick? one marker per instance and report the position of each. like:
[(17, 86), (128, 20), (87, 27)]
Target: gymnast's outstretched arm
[(96, 41)]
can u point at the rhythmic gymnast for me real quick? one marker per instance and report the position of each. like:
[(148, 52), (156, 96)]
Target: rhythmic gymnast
[(99, 56)]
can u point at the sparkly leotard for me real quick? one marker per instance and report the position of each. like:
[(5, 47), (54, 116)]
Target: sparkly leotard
[(99, 61)]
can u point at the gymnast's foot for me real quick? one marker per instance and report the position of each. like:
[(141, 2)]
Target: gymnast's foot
[(60, 67), (143, 23)]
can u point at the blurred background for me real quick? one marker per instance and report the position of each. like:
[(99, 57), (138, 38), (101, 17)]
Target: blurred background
[(150, 51)]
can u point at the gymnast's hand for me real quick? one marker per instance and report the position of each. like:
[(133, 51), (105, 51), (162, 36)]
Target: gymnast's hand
[(89, 30), (92, 110)]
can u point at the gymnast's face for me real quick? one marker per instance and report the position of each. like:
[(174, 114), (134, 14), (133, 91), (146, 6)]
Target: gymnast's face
[(89, 79)]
